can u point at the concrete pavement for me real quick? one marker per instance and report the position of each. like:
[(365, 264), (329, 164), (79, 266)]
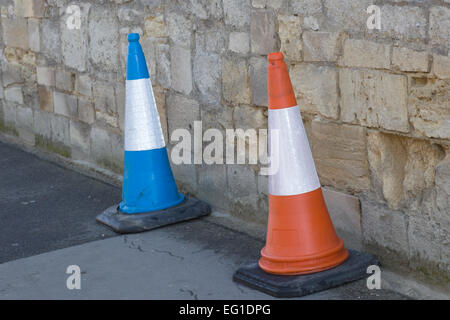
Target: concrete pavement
[(48, 223)]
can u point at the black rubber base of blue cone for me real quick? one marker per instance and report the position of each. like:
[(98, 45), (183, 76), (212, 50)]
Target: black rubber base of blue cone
[(354, 268), (190, 208)]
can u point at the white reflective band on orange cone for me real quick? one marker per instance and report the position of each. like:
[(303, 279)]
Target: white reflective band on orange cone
[(142, 125), (296, 172)]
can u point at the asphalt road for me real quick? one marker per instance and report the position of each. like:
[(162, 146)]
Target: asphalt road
[(45, 207)]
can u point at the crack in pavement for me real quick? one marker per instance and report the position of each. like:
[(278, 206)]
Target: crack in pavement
[(191, 293), (169, 253)]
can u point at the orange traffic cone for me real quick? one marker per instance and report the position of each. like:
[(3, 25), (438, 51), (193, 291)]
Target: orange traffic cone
[(300, 234), (301, 241)]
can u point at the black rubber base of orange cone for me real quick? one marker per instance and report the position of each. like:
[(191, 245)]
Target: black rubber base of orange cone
[(190, 208), (354, 268)]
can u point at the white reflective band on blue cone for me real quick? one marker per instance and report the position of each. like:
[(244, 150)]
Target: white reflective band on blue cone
[(142, 125), (296, 172)]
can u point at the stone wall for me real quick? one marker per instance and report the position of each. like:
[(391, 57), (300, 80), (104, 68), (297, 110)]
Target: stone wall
[(375, 103)]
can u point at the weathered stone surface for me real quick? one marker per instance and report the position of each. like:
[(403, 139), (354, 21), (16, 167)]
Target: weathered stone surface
[(83, 84), (104, 41), (65, 104), (104, 97), (9, 113), (34, 36), (242, 188), (186, 177), (29, 8), (80, 136), (205, 9), (15, 33), (320, 46), (45, 99), (263, 184), (210, 40), (179, 29), (74, 41), (237, 13), (42, 124), (154, 26), (151, 4), (340, 155), (261, 4), (129, 14), (11, 73), (64, 80), (86, 111), (219, 118), (107, 119), (60, 129), (235, 83), (212, 180), (442, 181), (347, 14), (424, 241), (101, 146), (45, 76), (306, 7), (402, 169), (428, 102), (367, 54), (24, 124), (181, 113), (51, 44), (207, 77), (163, 65), (181, 69), (439, 29), (311, 23), (409, 60), (239, 42), (289, 31), (441, 66), (262, 32), (250, 118), (404, 22), (107, 148), (385, 228), (117, 152), (14, 94), (258, 80), (316, 89), (374, 99), (24, 117)]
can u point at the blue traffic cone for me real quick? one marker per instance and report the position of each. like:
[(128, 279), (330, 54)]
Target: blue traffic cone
[(150, 196)]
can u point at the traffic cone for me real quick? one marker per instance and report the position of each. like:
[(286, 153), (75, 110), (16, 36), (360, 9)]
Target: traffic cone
[(301, 241), (150, 196)]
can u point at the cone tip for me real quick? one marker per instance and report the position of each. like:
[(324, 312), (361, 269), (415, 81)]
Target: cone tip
[(275, 56), (133, 37)]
